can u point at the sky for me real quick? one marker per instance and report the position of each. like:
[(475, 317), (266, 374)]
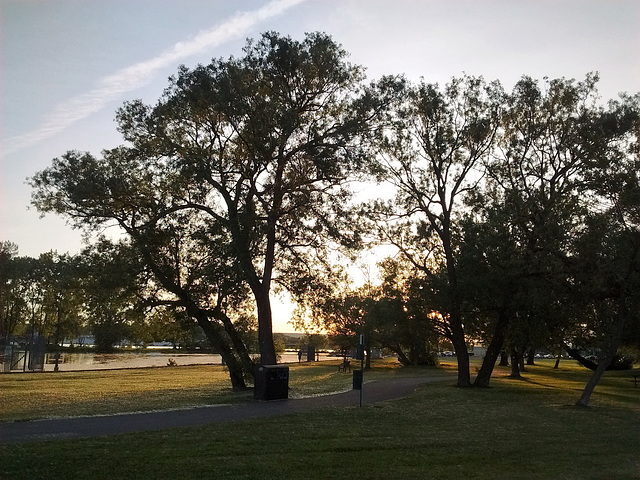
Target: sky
[(67, 65)]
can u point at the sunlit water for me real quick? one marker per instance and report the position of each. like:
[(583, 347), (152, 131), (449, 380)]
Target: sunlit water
[(89, 361)]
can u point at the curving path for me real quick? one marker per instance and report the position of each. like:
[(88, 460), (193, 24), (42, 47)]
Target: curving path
[(97, 426)]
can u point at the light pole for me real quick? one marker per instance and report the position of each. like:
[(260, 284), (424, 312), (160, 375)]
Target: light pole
[(358, 375)]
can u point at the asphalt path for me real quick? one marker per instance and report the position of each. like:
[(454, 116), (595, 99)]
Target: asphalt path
[(105, 425)]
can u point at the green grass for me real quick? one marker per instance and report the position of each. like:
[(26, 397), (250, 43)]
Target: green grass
[(527, 429), (29, 396)]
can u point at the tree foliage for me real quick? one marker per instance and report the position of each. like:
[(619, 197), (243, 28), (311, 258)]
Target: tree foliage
[(514, 214), (257, 148), (431, 151), (544, 222)]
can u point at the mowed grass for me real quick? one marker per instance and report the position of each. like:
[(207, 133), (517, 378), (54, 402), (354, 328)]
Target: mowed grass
[(29, 396), (518, 429)]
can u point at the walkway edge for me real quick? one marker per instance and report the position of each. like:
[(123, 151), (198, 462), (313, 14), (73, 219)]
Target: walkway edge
[(105, 425)]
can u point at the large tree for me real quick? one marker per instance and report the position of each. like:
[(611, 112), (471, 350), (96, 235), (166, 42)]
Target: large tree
[(608, 254), (189, 262), (195, 273), (39, 295), (525, 217), (12, 284), (259, 146), (112, 288), (62, 303), (563, 165), (431, 152), (402, 319)]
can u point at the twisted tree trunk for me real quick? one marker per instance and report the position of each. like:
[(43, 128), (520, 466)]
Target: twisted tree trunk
[(623, 314), (493, 350)]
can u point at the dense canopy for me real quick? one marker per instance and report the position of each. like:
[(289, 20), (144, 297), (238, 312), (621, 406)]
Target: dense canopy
[(514, 215)]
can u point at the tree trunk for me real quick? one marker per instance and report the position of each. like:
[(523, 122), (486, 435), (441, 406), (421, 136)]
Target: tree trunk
[(265, 327), (555, 367), (515, 364), (577, 356), (238, 344), (211, 330), (593, 381), (521, 360), (616, 335), (455, 317), (504, 359), (493, 350), (531, 356), (260, 287), (460, 347), (402, 358), (236, 372)]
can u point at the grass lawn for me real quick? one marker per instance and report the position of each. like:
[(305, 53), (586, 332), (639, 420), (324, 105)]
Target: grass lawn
[(526, 429), (29, 396)]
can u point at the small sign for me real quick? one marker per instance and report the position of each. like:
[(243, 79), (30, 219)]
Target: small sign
[(357, 380)]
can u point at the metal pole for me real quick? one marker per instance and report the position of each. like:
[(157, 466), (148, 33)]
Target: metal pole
[(362, 367), (362, 386)]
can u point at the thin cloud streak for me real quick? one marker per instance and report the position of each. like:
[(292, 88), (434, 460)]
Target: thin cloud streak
[(140, 74)]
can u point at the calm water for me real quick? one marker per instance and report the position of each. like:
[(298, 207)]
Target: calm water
[(89, 361)]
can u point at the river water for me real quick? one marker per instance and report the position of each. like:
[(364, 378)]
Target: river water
[(89, 361)]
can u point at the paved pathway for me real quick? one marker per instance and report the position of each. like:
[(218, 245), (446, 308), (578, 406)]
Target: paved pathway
[(96, 426)]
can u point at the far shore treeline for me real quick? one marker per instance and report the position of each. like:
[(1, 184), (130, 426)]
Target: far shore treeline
[(511, 218)]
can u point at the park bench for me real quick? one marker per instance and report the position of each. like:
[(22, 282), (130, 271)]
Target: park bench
[(636, 376), (346, 364)]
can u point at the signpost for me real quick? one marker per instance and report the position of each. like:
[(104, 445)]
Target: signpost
[(358, 375)]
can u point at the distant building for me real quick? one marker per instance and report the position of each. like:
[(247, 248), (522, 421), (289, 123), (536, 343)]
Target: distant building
[(477, 350)]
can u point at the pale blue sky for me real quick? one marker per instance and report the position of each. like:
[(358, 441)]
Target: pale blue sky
[(67, 65)]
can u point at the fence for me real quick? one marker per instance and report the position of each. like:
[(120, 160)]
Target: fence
[(23, 354)]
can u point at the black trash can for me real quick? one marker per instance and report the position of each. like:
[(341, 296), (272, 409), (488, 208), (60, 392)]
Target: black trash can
[(271, 382)]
